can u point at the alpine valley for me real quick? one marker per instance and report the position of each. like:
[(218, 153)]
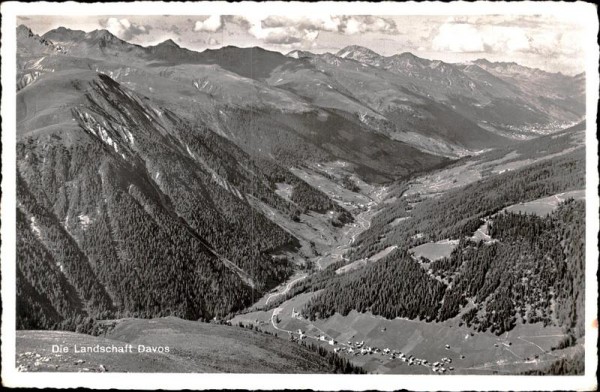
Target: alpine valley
[(340, 212)]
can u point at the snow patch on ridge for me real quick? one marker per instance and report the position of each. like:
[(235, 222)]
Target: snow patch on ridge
[(345, 54)]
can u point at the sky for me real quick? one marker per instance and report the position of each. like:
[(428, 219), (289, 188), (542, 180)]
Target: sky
[(551, 43)]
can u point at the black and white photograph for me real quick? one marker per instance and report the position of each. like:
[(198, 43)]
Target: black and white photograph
[(272, 195)]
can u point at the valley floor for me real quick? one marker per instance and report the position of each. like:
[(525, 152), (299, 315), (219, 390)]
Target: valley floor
[(527, 347)]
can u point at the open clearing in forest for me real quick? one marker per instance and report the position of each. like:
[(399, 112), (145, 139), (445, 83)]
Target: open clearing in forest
[(344, 197), (397, 221), (545, 206), (434, 250), (363, 262), (284, 190)]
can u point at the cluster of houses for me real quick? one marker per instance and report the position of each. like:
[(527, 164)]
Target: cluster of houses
[(322, 338), (359, 348), (440, 367)]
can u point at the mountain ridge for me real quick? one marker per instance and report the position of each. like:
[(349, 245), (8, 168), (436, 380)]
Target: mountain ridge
[(363, 49)]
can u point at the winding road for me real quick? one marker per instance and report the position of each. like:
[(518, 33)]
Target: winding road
[(276, 312), (287, 288), (362, 223)]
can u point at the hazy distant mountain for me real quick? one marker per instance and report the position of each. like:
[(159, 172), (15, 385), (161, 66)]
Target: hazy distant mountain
[(559, 96), (359, 53), (229, 79), (398, 106), (506, 98)]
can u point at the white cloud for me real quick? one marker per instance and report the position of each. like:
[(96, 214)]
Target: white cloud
[(366, 24), (308, 23), (283, 30), (505, 39), (123, 28), (499, 37), (465, 37), (236, 20), (571, 42), (282, 35), (549, 43), (212, 24), (458, 37), (353, 26), (287, 30)]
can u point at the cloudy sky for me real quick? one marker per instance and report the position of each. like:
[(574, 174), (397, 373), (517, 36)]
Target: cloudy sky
[(548, 42)]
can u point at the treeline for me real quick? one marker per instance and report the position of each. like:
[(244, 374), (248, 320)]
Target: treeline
[(574, 365), (163, 226), (532, 264), (393, 287), (459, 211), (339, 364)]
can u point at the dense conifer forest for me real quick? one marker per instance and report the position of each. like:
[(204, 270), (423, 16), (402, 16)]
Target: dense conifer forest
[(534, 265), (164, 227), (459, 211), (531, 271)]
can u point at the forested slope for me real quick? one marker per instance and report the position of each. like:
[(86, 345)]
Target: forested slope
[(131, 213), (533, 272), (458, 211), (530, 270)]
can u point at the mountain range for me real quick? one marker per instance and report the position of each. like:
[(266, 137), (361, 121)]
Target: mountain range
[(140, 167)]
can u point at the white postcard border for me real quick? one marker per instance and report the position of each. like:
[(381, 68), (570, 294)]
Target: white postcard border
[(584, 12)]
